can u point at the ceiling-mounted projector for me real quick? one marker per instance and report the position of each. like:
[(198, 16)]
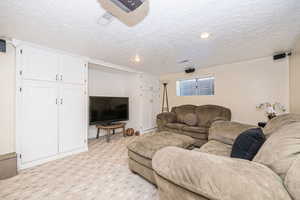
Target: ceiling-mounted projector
[(128, 5)]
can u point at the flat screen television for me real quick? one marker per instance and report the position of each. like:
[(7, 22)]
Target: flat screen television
[(105, 110)]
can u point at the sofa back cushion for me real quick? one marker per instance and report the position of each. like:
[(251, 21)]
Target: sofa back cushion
[(190, 119), (208, 114), (278, 122), (281, 149), (181, 111), (292, 180), (226, 132)]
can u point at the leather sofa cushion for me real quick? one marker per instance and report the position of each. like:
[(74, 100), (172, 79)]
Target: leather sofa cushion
[(195, 135), (140, 159), (216, 148), (140, 169), (226, 132), (281, 149), (147, 145), (190, 119), (171, 191), (217, 177), (181, 111), (195, 129), (168, 117), (292, 180), (207, 114), (177, 126), (278, 122)]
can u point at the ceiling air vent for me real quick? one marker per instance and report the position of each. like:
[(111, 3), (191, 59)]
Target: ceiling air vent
[(187, 63), (128, 5), (184, 61), (106, 19)]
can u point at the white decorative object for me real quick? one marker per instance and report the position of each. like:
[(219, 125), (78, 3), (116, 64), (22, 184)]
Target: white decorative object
[(272, 110)]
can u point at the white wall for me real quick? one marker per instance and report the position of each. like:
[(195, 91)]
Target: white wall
[(240, 87), (109, 82), (7, 100), (295, 79)]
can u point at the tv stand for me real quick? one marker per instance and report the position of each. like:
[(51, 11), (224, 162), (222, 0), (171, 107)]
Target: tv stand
[(109, 127), (108, 123)]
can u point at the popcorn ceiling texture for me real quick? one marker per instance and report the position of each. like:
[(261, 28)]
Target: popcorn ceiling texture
[(170, 31), (100, 174)]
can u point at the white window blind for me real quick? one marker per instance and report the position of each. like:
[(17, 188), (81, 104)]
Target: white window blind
[(196, 87)]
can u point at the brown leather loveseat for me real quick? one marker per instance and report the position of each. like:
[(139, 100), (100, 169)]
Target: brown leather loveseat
[(193, 121)]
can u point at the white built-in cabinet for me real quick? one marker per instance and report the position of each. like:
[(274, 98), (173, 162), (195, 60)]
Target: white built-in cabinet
[(38, 127), (51, 105), (72, 117), (150, 101), (39, 64), (74, 65)]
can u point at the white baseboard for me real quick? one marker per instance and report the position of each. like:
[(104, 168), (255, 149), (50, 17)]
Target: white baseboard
[(149, 130), (52, 158)]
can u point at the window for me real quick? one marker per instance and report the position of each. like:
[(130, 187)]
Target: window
[(196, 87)]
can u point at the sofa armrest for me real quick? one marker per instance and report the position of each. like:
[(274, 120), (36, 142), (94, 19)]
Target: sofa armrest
[(227, 132), (216, 177), (163, 118), (219, 119)]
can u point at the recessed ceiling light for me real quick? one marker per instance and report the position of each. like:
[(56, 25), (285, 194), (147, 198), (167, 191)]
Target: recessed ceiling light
[(204, 35), (137, 58)]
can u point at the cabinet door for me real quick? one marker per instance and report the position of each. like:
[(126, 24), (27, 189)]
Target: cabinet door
[(72, 70), (147, 103), (72, 117), (150, 101), (39, 118), (39, 64), (155, 107)]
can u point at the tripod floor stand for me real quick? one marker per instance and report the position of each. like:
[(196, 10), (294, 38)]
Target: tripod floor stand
[(165, 99)]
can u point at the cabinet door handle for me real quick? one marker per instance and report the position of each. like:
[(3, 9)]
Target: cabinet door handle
[(61, 101), (56, 77), (61, 77), (56, 101)]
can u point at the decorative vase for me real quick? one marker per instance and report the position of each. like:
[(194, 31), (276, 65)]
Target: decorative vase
[(137, 133), (130, 132)]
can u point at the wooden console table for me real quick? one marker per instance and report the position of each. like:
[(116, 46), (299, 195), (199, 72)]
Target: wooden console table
[(108, 128)]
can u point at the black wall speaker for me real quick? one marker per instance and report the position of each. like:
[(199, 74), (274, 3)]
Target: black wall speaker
[(2, 46), (282, 55), (189, 70), (279, 56)]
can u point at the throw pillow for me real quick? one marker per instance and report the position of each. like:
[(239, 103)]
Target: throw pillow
[(190, 119), (247, 144)]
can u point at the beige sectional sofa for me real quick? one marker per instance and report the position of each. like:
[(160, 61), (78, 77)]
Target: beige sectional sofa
[(141, 151), (209, 173), (180, 120)]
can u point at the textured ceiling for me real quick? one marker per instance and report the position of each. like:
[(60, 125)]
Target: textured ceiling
[(162, 32)]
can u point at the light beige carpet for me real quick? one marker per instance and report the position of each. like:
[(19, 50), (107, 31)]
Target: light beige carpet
[(100, 174)]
